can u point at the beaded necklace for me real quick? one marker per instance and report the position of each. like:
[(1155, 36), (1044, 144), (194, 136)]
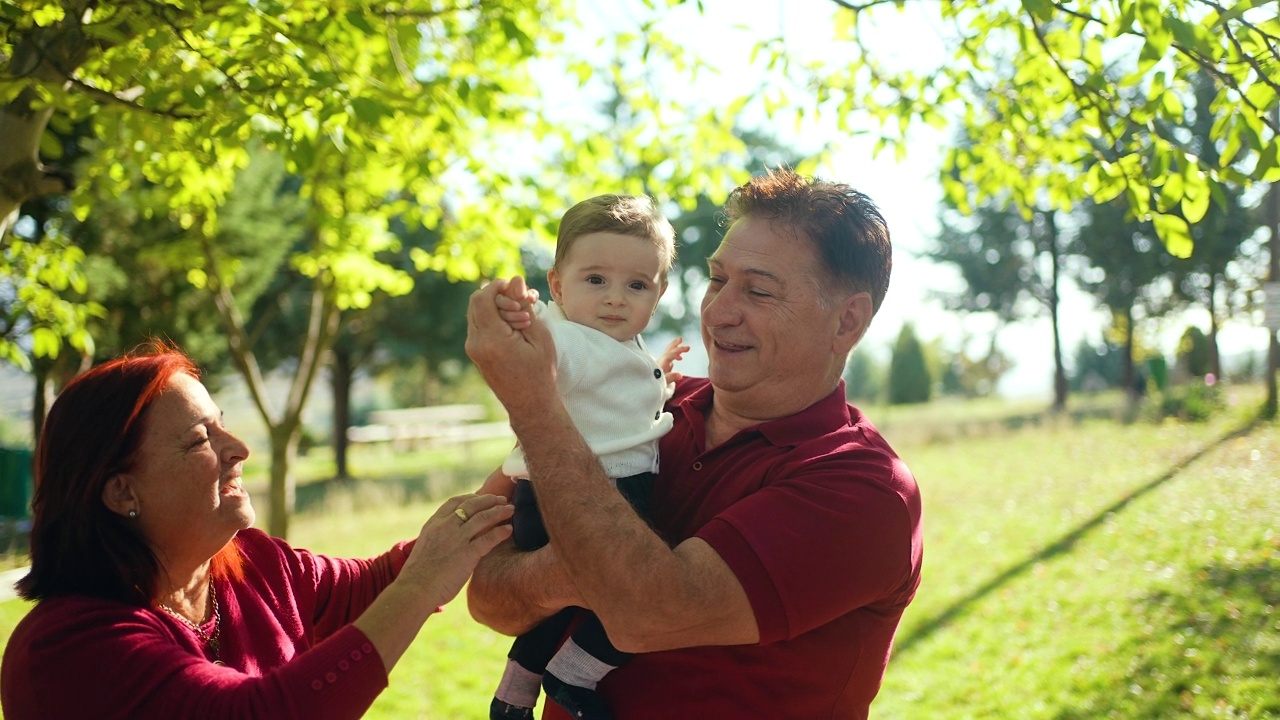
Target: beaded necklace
[(210, 640)]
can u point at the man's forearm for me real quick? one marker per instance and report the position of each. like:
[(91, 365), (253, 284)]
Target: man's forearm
[(512, 590), (621, 567)]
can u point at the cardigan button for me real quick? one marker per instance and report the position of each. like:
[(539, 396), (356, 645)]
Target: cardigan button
[(697, 465), (343, 665), (317, 685), (331, 677), (657, 374), (356, 654)]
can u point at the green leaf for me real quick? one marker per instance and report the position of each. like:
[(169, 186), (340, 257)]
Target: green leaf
[(1171, 193), (1196, 194), (368, 112), (1041, 10), (47, 16), (359, 21), (1175, 234), (45, 343)]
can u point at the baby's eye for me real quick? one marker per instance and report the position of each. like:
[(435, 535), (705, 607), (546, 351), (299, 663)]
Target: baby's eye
[(595, 279), (639, 285)]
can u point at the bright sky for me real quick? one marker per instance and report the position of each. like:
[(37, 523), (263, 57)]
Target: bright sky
[(906, 192)]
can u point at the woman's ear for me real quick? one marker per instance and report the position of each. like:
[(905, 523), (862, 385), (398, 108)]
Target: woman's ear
[(118, 496)]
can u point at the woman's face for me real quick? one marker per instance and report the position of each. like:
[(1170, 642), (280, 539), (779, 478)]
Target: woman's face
[(186, 476)]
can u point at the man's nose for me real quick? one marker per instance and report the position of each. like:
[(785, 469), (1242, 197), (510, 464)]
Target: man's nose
[(719, 309)]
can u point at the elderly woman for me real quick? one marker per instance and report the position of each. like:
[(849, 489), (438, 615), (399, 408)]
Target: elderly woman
[(157, 600)]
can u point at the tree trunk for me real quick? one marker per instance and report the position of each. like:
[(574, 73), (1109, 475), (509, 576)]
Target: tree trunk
[(1059, 367), (1215, 362), (340, 377), (322, 327), (41, 399), (283, 493), (1128, 376), (49, 54)]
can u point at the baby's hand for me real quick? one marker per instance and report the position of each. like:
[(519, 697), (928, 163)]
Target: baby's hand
[(515, 303), (675, 351)]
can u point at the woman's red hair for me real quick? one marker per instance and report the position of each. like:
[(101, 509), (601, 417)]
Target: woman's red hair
[(92, 432)]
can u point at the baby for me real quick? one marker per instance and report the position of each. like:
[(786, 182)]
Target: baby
[(613, 253)]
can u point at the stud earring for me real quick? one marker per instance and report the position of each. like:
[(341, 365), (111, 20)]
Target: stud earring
[(133, 514)]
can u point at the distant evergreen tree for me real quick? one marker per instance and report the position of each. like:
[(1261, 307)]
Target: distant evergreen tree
[(864, 377), (1194, 352), (1097, 367), (909, 377)]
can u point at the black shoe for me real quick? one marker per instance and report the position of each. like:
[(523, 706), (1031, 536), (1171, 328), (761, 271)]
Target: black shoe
[(499, 710), (579, 702)]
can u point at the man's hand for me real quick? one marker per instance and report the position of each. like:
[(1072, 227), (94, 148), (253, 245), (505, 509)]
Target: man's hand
[(519, 365)]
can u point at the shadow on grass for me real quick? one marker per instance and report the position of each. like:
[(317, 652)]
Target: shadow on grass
[(1213, 653), (1062, 545)]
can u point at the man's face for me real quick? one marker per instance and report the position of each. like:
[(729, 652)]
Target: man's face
[(762, 324)]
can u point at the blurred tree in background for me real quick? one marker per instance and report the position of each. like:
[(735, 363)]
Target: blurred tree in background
[(909, 378), (1098, 86), (378, 111)]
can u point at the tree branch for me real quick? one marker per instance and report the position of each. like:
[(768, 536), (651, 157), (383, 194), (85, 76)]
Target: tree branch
[(241, 351)]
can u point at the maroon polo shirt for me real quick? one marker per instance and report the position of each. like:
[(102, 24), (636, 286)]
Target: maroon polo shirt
[(820, 521)]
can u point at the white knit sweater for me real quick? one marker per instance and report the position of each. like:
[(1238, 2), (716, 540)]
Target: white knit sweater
[(613, 390)]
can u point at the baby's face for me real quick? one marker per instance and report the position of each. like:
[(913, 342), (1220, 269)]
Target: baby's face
[(609, 282)]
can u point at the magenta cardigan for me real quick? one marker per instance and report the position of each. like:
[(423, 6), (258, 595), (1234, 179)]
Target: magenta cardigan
[(287, 642)]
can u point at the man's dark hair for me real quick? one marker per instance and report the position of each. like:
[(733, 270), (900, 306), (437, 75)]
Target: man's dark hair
[(847, 230)]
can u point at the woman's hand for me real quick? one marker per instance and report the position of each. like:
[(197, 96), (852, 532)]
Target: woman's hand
[(450, 544), (463, 530)]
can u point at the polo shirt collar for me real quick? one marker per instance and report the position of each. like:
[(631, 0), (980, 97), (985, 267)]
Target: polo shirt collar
[(827, 415)]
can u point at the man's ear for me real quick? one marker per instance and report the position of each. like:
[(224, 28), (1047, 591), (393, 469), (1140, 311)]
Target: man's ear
[(855, 318), (118, 495)]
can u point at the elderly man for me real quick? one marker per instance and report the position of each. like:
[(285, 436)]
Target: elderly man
[(786, 537)]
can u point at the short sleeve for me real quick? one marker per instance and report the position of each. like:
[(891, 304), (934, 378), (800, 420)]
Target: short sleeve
[(825, 540)]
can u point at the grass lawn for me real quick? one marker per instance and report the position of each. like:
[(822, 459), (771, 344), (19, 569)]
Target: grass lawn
[(1074, 568)]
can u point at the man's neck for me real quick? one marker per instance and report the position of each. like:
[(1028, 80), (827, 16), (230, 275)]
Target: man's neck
[(732, 413)]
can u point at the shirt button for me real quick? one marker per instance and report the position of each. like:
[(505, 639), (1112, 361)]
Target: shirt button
[(697, 466), (657, 415)]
